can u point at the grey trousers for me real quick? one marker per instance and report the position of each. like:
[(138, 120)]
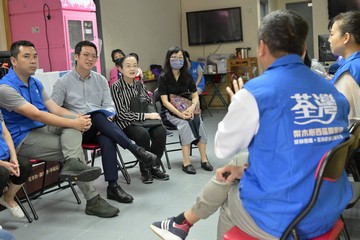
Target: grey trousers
[(217, 195), (185, 132), (56, 144)]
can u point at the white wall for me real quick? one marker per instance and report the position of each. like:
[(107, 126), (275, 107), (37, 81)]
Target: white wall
[(148, 28), (250, 21), (151, 27)]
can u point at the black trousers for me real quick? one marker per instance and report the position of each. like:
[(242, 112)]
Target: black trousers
[(152, 139), (25, 170), (110, 135)]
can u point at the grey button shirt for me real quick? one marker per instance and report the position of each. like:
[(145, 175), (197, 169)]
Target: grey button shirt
[(83, 95)]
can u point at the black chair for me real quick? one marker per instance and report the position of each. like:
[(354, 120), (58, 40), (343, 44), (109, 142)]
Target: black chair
[(353, 168), (330, 167), (120, 162), (169, 127)]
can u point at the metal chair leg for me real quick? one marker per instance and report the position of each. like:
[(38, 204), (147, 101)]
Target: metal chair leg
[(122, 167), (36, 217), (27, 215), (344, 230)]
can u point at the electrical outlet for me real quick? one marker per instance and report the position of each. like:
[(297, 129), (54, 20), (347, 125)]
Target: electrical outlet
[(35, 29)]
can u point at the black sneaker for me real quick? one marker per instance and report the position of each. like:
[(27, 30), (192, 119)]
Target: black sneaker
[(97, 206), (145, 157), (168, 229), (158, 174), (146, 176), (75, 170)]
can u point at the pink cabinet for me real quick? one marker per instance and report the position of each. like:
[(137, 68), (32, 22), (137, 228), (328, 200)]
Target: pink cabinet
[(54, 26)]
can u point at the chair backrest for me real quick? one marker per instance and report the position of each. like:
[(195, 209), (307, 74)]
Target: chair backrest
[(330, 167), (354, 129), (157, 103)]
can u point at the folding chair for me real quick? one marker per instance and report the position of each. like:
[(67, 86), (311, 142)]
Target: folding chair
[(353, 168), (203, 103), (331, 166), (120, 162), (43, 190), (169, 127)]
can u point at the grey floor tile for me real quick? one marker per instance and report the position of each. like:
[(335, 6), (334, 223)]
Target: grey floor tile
[(62, 218)]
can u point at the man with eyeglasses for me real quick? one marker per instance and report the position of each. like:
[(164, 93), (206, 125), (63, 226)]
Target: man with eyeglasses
[(84, 91), (44, 131)]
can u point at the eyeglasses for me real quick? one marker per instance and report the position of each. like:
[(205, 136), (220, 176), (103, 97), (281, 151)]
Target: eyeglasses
[(89, 56), (177, 58)]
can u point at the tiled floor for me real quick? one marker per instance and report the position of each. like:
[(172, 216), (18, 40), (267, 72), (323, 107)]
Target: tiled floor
[(60, 217)]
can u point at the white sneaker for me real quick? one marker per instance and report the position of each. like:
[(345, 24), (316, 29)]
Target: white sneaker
[(15, 211)]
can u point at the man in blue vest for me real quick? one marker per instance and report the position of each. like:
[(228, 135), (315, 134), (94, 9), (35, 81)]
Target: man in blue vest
[(287, 118), (42, 130)]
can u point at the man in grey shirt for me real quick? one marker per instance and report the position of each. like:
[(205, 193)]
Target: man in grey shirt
[(40, 130), (84, 91)]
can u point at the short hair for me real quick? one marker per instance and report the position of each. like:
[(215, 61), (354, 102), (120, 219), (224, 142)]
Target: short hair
[(349, 22), (116, 51), (120, 61), (85, 43), (284, 32), (14, 49), (135, 55)]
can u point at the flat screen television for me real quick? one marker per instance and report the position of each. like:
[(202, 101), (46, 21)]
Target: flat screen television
[(338, 6), (214, 26), (325, 53)]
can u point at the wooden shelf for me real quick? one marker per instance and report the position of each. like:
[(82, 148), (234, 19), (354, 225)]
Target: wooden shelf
[(242, 67)]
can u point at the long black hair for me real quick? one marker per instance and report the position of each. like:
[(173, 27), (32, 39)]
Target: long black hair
[(184, 71)]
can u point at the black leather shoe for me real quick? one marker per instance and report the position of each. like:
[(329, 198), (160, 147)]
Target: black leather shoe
[(189, 169), (118, 194), (146, 176), (158, 174), (207, 166), (145, 157)]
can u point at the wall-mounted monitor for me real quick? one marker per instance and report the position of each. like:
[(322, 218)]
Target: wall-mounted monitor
[(214, 26), (325, 53), (338, 6)]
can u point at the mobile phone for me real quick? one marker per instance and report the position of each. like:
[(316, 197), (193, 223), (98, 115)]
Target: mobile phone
[(226, 174)]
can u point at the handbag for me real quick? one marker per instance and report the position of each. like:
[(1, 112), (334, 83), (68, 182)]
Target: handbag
[(182, 103), (141, 105)]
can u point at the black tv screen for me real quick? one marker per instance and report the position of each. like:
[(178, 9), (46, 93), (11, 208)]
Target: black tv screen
[(325, 53), (338, 6), (214, 26)]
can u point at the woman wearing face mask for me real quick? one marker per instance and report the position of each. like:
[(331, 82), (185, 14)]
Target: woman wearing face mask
[(176, 79)]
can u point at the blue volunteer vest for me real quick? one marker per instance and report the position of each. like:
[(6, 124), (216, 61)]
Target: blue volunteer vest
[(194, 72), (4, 150), (351, 65), (302, 116), (18, 125)]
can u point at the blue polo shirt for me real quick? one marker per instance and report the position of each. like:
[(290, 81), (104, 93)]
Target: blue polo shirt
[(4, 150), (18, 125)]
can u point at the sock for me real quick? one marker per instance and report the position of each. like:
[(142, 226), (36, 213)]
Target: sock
[(180, 219), (112, 183)]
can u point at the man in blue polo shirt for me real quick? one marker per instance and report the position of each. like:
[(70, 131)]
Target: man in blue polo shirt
[(42, 130), (287, 118)]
